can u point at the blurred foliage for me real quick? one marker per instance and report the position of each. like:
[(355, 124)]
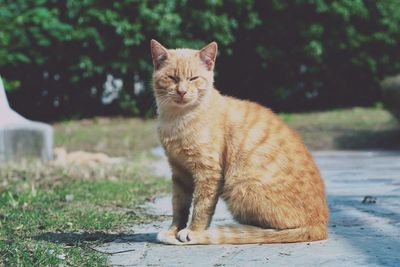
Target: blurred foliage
[(290, 55)]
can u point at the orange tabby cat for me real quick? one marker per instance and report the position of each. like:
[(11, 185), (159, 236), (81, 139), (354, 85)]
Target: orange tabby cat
[(220, 146)]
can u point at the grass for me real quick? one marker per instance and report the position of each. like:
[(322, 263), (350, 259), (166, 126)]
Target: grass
[(349, 129), (115, 137), (53, 215), (40, 207)]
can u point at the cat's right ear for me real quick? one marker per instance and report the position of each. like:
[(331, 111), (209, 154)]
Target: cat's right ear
[(159, 53)]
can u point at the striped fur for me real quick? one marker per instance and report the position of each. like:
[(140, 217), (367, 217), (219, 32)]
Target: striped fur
[(219, 146), (244, 234)]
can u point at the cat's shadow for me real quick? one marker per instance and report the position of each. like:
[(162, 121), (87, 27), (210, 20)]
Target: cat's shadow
[(98, 238)]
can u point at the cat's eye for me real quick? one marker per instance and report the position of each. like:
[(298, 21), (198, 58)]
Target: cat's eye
[(175, 79), (193, 78)]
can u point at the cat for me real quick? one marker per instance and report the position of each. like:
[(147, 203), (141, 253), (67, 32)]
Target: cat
[(219, 146)]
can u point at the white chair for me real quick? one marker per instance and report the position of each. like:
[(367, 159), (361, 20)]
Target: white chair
[(21, 138)]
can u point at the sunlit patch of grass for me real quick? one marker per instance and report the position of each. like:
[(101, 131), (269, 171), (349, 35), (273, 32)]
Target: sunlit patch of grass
[(356, 118), (113, 136), (38, 200), (52, 215), (355, 128)]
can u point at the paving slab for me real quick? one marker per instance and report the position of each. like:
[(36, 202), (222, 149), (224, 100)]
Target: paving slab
[(360, 234)]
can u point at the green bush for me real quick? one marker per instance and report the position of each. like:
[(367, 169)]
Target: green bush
[(391, 94), (56, 55), (290, 55)]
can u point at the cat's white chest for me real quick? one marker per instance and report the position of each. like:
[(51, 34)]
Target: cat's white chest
[(180, 139), (171, 130), (177, 127)]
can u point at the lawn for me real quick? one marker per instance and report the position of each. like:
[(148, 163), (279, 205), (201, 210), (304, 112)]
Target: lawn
[(348, 129), (52, 215), (115, 137)]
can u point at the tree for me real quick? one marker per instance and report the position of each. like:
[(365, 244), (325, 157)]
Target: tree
[(56, 55)]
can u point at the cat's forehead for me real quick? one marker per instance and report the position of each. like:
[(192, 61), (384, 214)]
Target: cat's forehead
[(184, 61), (184, 52)]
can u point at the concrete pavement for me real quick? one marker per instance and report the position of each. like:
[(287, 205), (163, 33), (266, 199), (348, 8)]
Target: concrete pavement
[(361, 234)]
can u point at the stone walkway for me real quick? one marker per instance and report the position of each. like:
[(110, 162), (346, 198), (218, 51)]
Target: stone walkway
[(361, 234)]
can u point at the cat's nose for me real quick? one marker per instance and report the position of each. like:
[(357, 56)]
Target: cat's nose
[(182, 93)]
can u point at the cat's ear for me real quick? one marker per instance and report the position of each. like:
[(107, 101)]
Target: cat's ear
[(208, 55), (158, 52)]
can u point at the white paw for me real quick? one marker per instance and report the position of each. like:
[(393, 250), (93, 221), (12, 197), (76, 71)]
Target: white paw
[(167, 237), (185, 235)]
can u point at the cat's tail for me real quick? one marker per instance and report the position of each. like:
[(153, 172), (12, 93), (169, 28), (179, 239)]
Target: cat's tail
[(244, 234)]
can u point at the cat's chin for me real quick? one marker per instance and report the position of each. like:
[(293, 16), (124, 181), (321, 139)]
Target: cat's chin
[(182, 103)]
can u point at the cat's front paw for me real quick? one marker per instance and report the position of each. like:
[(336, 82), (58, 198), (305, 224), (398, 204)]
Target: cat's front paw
[(185, 235), (168, 237)]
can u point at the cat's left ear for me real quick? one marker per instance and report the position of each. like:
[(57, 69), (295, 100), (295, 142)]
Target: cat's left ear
[(208, 55)]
